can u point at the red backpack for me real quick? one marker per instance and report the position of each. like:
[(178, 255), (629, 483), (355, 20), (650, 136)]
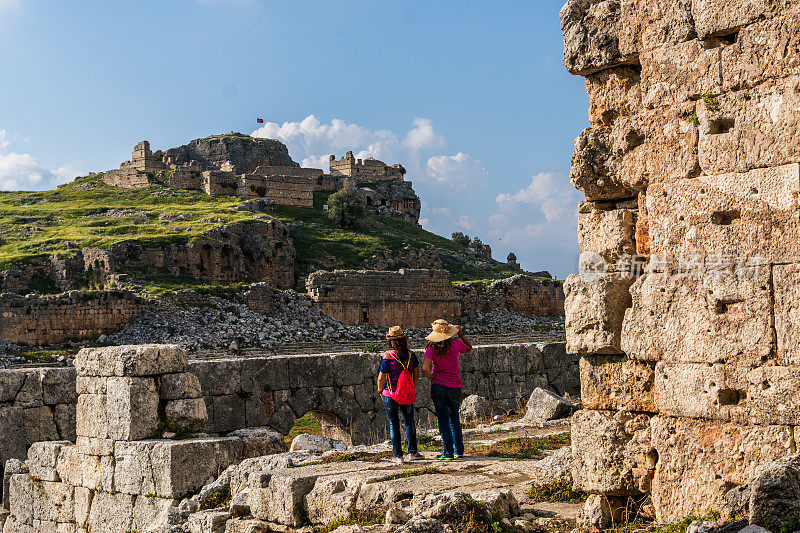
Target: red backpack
[(406, 392)]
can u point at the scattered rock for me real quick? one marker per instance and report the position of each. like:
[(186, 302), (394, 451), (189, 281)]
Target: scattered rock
[(544, 405), (475, 408), (420, 524), (315, 444)]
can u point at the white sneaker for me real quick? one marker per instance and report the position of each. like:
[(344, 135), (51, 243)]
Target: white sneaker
[(398, 460)]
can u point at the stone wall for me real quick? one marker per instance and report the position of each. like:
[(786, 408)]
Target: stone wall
[(406, 297), (526, 295), (690, 363), (42, 320), (365, 170), (291, 190), (39, 404)]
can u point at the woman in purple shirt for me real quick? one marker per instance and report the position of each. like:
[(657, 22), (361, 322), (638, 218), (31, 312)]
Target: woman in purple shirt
[(441, 365)]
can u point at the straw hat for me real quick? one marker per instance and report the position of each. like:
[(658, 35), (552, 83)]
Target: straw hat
[(395, 332), (442, 330)]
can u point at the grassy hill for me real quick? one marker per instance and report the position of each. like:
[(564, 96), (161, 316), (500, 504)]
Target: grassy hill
[(88, 213)]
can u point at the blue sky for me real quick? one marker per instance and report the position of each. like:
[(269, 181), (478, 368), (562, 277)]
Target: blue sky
[(469, 95)]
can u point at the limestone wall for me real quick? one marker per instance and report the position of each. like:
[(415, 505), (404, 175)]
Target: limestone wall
[(39, 404), (525, 295), (291, 190), (365, 170), (42, 320), (690, 363), (407, 297)]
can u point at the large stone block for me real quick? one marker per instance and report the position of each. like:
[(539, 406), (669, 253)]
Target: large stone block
[(605, 231), (786, 285), (718, 318), (611, 452), (595, 306), (751, 128), (43, 457), (613, 93), (591, 35), (58, 385), (91, 416), (279, 497), (112, 512), (763, 50), (718, 17), (10, 384), (80, 469), (172, 469), (265, 374), (182, 385), (218, 377), (750, 215), (133, 360), (647, 24), (132, 405), (673, 74), (616, 383), (699, 461), (35, 500), (190, 413)]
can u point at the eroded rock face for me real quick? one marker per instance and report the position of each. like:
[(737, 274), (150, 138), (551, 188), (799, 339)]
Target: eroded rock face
[(244, 154), (691, 162)]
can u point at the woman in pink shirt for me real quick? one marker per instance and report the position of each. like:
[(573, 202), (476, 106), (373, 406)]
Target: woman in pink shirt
[(441, 365)]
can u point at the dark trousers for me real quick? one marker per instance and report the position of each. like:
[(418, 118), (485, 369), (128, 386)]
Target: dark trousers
[(393, 410), (447, 401)]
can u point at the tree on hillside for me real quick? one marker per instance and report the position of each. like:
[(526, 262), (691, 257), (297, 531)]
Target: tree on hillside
[(461, 239), (345, 208), (477, 243)]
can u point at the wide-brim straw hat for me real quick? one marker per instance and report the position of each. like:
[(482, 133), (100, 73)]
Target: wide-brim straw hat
[(442, 330), (395, 332)]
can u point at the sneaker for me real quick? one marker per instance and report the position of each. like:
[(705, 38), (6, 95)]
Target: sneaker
[(444, 457), (398, 460), (415, 456), (459, 455)]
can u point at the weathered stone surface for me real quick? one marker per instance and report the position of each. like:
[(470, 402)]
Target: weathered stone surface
[(613, 93), (139, 360), (674, 74), (81, 469), (595, 305), (608, 232), (183, 385), (257, 442), (190, 413), (333, 496), (698, 461), (611, 453), (717, 17), (544, 405), (786, 286), (132, 405), (212, 521), (10, 468), (647, 24), (501, 501), (718, 318), (43, 457), (420, 524), (592, 168), (91, 417), (602, 512), (775, 492), (246, 525), (280, 499), (617, 383), (591, 35)]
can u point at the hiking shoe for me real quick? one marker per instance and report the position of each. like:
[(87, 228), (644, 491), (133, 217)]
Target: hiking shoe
[(444, 457), (398, 460), (459, 456), (415, 456)]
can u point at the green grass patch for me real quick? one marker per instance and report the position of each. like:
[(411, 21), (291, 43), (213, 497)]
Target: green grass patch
[(559, 490), (369, 517), (521, 447), (414, 472), (678, 527), (306, 424), (428, 444), (346, 457)]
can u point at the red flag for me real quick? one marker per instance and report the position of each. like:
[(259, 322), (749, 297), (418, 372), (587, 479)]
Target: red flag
[(260, 120)]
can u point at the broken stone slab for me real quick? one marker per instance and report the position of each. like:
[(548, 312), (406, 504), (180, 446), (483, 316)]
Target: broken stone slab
[(591, 36), (544, 405), (131, 360), (699, 461), (316, 444), (775, 492), (710, 317), (420, 524), (602, 512), (258, 442), (501, 501), (595, 306), (334, 496), (475, 407), (611, 452), (212, 521), (12, 466), (279, 496), (246, 525), (617, 383), (172, 469)]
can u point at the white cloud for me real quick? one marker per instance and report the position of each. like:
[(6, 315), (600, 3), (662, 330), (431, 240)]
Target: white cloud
[(465, 222), (24, 172), (456, 171), (549, 192), (423, 136)]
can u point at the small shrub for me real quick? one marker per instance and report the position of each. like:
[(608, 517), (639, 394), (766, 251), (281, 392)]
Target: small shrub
[(710, 101), (345, 208), (695, 120), (221, 498), (461, 239), (372, 347), (790, 526), (414, 472)]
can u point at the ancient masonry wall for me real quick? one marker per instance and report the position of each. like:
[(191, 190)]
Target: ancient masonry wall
[(39, 404), (526, 295), (406, 297), (690, 371), (42, 320)]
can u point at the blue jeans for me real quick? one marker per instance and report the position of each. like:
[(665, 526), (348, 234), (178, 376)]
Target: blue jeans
[(393, 410), (446, 401)]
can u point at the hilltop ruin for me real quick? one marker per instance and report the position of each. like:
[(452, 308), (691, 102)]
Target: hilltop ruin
[(684, 310)]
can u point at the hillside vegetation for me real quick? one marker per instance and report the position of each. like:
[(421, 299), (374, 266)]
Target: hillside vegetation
[(88, 213)]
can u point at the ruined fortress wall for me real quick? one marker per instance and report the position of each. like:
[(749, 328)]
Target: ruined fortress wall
[(690, 368), (406, 297), (526, 295), (42, 320), (39, 404), (291, 190)]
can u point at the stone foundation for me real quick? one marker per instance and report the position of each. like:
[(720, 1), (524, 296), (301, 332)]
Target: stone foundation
[(689, 362)]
